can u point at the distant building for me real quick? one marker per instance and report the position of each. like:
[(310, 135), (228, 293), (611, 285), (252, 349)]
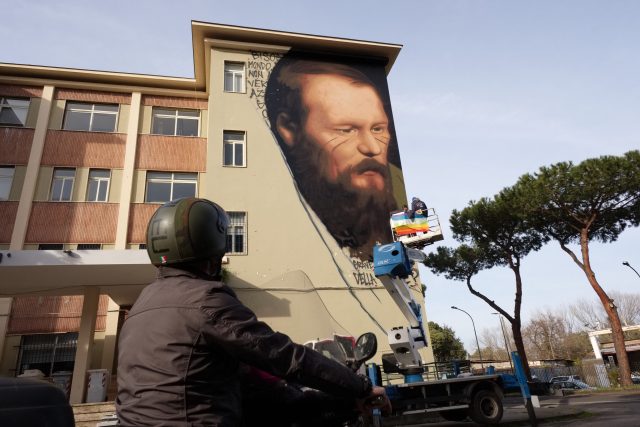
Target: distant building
[(86, 157), (603, 348)]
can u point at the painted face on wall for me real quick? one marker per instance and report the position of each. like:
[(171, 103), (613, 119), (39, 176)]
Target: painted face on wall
[(336, 133), (347, 121)]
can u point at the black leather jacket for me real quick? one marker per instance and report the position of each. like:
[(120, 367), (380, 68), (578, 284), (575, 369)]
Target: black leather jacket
[(181, 347)]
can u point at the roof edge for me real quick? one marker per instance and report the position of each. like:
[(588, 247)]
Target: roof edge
[(202, 31), (96, 76)]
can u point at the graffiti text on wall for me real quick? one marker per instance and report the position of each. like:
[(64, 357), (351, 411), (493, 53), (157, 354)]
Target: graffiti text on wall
[(258, 70), (364, 273)]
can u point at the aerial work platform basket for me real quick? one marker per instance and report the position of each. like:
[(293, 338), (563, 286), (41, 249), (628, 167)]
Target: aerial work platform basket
[(423, 230)]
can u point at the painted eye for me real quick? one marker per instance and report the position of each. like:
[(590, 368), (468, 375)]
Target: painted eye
[(379, 129), (346, 130)]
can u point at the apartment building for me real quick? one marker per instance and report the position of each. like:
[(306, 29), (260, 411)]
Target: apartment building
[(86, 157)]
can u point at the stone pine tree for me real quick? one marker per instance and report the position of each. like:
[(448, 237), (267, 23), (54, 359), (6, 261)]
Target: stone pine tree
[(446, 346), (495, 235), (595, 200)]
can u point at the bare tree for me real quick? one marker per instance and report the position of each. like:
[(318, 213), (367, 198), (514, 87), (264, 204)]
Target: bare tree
[(628, 307), (492, 345), (591, 315), (545, 334), (569, 320), (493, 342), (555, 334)]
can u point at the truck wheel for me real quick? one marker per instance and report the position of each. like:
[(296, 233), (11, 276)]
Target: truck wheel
[(486, 407), (455, 415)]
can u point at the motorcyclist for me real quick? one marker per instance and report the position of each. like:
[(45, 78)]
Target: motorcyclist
[(188, 342)]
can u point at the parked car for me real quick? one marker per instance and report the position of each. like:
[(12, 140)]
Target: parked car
[(571, 385), (564, 378), (635, 377)]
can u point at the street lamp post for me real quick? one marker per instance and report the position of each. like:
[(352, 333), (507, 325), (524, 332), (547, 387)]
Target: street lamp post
[(474, 332), (629, 265), (506, 342)]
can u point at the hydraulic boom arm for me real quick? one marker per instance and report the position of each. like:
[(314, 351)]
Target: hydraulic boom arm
[(392, 266)]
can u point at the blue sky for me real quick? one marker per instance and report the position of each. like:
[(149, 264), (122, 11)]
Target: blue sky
[(482, 92)]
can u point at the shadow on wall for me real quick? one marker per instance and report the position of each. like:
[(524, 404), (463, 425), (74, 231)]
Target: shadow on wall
[(259, 299), (289, 303)]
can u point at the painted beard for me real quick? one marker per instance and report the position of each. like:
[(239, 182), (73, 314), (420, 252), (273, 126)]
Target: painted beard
[(356, 218)]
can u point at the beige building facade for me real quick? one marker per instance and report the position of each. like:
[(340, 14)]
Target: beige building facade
[(86, 157)]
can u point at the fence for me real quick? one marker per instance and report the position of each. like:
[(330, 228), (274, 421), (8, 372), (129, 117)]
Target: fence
[(595, 372)]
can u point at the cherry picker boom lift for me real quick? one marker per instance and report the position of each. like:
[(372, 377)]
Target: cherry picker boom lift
[(478, 397)]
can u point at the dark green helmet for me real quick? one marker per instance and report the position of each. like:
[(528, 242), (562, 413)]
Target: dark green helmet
[(185, 230)]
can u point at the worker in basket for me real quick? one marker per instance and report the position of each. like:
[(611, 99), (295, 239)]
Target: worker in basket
[(417, 206)]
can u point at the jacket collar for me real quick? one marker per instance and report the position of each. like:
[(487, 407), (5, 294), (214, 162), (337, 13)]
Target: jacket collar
[(166, 271)]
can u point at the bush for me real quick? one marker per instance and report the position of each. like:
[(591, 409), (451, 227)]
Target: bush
[(614, 376)]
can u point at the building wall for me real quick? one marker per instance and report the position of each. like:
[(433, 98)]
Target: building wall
[(294, 274), (15, 145), (171, 153), (10, 355), (83, 149), (48, 315), (8, 212), (51, 314), (59, 222), (77, 221)]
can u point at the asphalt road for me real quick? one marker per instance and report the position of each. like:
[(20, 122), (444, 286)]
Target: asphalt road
[(603, 409), (615, 409)]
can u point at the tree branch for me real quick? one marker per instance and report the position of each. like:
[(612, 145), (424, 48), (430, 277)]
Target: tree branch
[(488, 301), (590, 221), (571, 254)]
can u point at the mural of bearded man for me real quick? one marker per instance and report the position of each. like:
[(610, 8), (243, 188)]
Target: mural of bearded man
[(335, 130)]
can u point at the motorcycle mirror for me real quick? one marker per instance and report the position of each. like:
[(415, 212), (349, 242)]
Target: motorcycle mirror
[(366, 347)]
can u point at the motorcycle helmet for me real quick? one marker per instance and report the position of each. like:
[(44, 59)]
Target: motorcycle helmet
[(186, 230)]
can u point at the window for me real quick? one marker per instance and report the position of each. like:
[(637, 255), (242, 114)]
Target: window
[(89, 246), (62, 184), (90, 117), (234, 148), (236, 233), (13, 111), (234, 77), (165, 186), (47, 352), (6, 179), (50, 247), (167, 121), (98, 186)]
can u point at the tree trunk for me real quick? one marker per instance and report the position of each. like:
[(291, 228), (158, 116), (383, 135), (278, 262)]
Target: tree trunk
[(516, 325), (612, 313), (517, 338), (514, 320)]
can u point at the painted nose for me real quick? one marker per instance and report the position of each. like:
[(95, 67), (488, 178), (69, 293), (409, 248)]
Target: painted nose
[(368, 144)]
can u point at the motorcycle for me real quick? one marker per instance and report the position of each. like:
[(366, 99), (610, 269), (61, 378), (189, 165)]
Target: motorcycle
[(271, 401)]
